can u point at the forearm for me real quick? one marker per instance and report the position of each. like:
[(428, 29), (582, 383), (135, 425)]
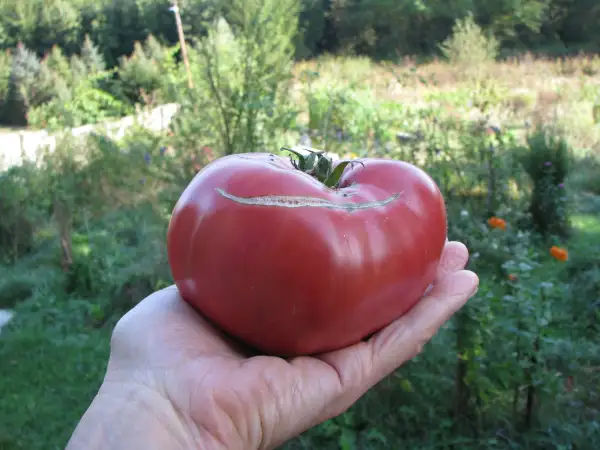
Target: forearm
[(136, 417)]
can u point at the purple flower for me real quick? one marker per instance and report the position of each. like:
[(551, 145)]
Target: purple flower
[(561, 185), (147, 158), (548, 164)]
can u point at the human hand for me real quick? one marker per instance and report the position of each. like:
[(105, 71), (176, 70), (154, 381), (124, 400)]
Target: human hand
[(174, 381)]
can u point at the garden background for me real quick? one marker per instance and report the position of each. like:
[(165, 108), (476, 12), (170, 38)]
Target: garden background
[(499, 100)]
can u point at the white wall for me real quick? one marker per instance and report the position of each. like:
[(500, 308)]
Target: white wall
[(20, 146)]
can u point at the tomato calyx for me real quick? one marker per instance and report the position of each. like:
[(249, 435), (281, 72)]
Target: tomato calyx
[(319, 166)]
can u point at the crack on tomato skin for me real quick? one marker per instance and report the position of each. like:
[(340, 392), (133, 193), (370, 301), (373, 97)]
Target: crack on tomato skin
[(291, 201)]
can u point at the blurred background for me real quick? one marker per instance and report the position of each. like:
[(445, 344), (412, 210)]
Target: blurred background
[(105, 117)]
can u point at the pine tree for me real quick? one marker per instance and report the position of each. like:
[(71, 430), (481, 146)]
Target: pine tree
[(22, 83), (154, 49), (92, 57), (58, 63), (5, 69), (79, 70), (140, 73)]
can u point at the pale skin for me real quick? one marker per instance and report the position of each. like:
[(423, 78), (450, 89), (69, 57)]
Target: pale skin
[(175, 382)]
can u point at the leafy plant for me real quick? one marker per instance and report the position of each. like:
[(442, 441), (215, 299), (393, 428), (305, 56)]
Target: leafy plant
[(22, 206), (5, 69), (546, 161), (245, 62), (468, 45), (150, 74)]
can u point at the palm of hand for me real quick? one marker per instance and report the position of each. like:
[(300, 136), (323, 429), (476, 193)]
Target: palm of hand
[(261, 401)]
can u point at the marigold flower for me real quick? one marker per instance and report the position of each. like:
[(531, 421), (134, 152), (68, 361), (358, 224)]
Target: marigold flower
[(512, 277), (497, 222), (559, 253)]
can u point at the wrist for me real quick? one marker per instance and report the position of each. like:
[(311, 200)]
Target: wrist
[(135, 416)]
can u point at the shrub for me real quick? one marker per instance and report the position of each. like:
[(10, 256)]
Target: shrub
[(5, 69), (546, 161), (80, 90), (468, 45), (22, 208), (150, 73), (246, 65)]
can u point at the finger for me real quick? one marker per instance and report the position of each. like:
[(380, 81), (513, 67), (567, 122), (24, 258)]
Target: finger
[(454, 258), (362, 365), (404, 339)]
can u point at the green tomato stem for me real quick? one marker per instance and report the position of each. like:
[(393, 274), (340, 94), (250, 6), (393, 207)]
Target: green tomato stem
[(319, 166)]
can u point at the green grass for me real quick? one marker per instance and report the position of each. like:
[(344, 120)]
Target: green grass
[(51, 362)]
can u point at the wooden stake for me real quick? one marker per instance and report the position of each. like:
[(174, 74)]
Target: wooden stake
[(186, 62)]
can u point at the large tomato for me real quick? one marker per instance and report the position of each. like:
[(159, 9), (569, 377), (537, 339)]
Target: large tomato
[(291, 263)]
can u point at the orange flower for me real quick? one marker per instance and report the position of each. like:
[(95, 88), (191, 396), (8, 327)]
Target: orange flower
[(559, 253), (512, 277), (497, 222)]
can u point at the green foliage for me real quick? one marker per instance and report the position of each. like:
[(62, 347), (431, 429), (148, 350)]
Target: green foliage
[(40, 24), (81, 91), (29, 85), (21, 211), (62, 350), (379, 28), (246, 65), (92, 57), (124, 266), (311, 28), (546, 161), (469, 45), (106, 34), (82, 104), (5, 70), (150, 74), (59, 65)]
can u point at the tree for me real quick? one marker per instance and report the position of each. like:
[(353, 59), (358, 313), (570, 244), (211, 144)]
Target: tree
[(29, 85), (246, 62), (92, 57)]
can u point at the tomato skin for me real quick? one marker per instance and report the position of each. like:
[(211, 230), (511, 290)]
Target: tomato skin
[(303, 280)]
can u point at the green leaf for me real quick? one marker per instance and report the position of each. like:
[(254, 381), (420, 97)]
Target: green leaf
[(406, 385), (323, 169), (310, 161), (377, 436), (301, 157), (334, 178), (347, 439)]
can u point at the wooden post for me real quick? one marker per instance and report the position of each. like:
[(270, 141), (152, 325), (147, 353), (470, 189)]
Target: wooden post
[(63, 221), (186, 62)]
